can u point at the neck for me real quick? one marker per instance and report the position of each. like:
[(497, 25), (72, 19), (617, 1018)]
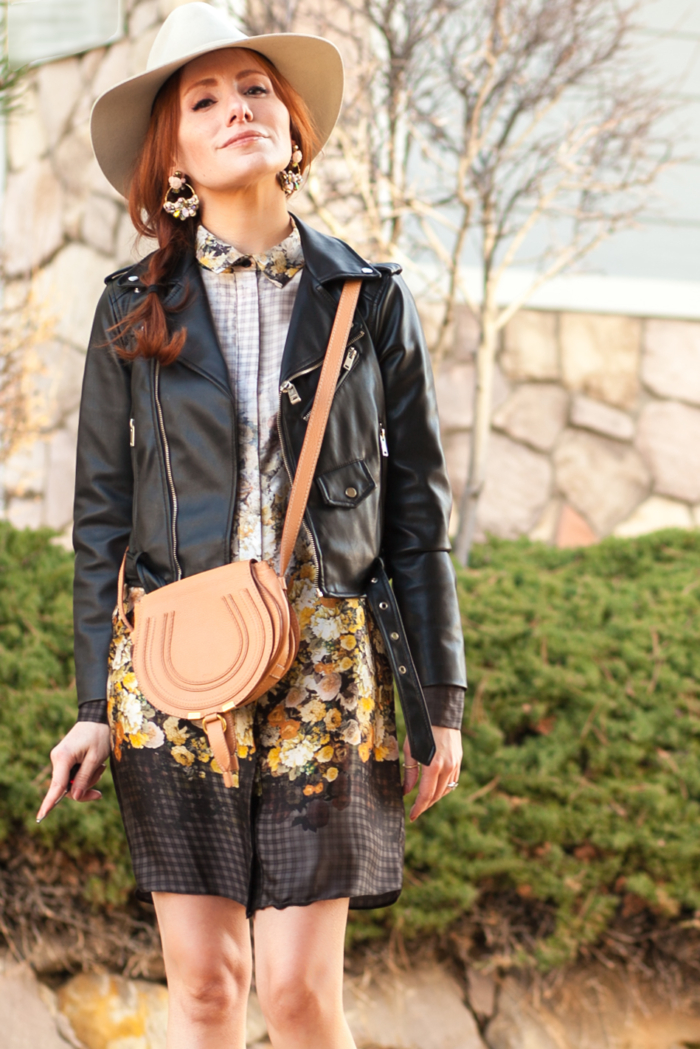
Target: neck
[(253, 219)]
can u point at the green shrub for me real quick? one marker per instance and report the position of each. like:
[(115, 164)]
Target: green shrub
[(581, 776), (581, 779)]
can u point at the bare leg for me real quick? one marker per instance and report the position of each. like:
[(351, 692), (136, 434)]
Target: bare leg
[(206, 948), (299, 975)]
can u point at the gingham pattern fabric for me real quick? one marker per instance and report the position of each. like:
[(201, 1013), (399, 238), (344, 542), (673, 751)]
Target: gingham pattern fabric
[(252, 311), (317, 809)]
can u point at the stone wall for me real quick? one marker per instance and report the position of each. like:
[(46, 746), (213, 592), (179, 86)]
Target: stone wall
[(596, 425), (63, 230), (597, 418)]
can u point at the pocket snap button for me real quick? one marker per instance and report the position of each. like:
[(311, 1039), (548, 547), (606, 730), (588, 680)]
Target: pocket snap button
[(402, 670), (351, 492), (394, 636)]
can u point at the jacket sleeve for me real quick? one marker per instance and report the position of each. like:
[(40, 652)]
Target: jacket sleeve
[(417, 508), (103, 499)]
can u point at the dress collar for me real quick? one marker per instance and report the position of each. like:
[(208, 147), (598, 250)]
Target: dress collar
[(279, 264)]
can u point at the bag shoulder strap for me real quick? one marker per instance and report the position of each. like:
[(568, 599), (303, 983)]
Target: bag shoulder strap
[(311, 448)]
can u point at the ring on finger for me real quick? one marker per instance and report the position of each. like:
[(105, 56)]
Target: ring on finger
[(451, 786), (409, 768)]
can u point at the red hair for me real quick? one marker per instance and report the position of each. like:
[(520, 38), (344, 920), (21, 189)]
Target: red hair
[(145, 329)]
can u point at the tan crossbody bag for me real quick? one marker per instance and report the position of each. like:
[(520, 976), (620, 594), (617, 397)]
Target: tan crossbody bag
[(218, 640)]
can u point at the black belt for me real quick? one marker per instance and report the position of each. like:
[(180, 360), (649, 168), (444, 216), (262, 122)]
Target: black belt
[(385, 610)]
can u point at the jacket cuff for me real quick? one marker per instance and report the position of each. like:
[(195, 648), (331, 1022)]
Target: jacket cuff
[(94, 710), (445, 705)]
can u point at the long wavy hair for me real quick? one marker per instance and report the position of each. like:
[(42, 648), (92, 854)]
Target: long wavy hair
[(145, 331)]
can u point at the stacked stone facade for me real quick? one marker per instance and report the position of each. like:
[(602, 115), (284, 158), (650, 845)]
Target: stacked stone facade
[(596, 418), (596, 425)]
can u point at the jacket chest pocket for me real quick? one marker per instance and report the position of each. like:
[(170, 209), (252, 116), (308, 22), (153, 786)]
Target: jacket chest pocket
[(347, 485)]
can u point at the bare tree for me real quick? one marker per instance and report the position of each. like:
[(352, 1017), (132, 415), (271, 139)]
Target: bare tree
[(11, 78), (499, 133)]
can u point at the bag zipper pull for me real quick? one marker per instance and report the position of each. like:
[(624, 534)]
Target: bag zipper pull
[(290, 389), (132, 433), (382, 442), (349, 359)]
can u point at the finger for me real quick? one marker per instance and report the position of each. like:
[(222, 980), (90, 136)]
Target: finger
[(62, 764), (412, 769), (88, 774), (427, 793), (91, 795)]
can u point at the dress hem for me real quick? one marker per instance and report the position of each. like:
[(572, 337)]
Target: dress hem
[(357, 903)]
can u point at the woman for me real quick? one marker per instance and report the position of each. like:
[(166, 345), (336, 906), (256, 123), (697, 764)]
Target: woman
[(200, 375)]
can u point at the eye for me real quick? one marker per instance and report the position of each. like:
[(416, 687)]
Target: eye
[(256, 89), (203, 103)]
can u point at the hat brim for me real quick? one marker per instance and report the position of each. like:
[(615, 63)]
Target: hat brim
[(121, 115)]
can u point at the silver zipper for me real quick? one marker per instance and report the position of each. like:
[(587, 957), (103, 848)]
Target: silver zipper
[(290, 389), (382, 442), (132, 434), (168, 468)]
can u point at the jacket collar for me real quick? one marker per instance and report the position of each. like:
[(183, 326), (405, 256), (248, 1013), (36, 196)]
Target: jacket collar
[(328, 263)]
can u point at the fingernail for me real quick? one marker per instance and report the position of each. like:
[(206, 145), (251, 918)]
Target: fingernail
[(77, 793), (39, 819)]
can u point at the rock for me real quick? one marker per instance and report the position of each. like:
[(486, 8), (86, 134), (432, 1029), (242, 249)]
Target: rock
[(73, 159), (530, 346), (482, 993), (421, 1009), (27, 1020), (111, 1012), (115, 67), (58, 383), (668, 436), (454, 386), (517, 488), (545, 529), (593, 415), (143, 17), (466, 339), (27, 140), (141, 49), (129, 247), (656, 513), (60, 85), (60, 479), (27, 512), (573, 530), (99, 224), (25, 470), (671, 361), (603, 479), (68, 289), (534, 413), (600, 356), (32, 226), (518, 1026)]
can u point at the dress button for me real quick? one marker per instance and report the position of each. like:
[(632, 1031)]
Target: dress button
[(383, 605), (246, 262), (351, 492), (402, 670), (394, 636)]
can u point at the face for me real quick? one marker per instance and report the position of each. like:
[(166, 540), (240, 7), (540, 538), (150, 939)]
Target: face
[(234, 130)]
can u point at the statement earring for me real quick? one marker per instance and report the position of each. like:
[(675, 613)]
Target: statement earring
[(291, 178), (181, 201)]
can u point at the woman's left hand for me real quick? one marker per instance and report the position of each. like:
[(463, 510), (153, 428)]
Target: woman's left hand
[(435, 777)]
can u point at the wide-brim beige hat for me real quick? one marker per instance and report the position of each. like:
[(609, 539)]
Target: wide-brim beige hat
[(120, 116)]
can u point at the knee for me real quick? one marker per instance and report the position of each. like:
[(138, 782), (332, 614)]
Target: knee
[(294, 1003), (210, 990)]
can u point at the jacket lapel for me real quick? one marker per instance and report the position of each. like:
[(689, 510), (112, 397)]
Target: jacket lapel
[(201, 351), (328, 263)]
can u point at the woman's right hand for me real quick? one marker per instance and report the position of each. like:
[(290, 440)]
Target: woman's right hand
[(87, 745)]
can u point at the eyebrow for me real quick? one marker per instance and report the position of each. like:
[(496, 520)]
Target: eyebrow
[(210, 80)]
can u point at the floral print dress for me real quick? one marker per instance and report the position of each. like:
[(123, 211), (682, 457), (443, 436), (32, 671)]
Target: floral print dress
[(316, 810)]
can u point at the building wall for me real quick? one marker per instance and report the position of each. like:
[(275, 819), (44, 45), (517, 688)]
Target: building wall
[(596, 425), (597, 418)]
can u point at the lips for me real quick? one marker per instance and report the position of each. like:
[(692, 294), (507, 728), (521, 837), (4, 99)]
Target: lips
[(247, 136)]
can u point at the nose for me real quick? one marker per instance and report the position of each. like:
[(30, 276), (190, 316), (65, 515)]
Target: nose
[(239, 111)]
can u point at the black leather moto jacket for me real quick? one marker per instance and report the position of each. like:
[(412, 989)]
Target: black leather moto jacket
[(157, 463)]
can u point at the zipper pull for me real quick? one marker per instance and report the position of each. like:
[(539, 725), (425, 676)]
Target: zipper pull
[(350, 359), (382, 442), (132, 433), (290, 389)]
